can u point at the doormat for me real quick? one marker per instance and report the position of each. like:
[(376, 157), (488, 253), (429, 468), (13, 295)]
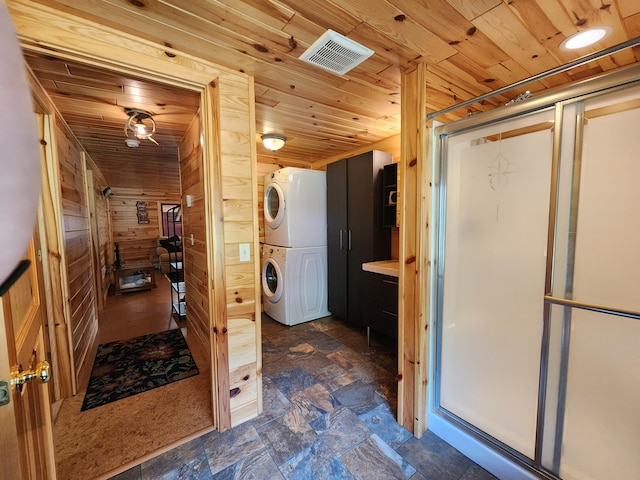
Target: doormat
[(128, 367)]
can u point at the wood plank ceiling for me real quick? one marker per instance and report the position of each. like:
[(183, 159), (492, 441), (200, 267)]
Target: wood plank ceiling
[(471, 47)]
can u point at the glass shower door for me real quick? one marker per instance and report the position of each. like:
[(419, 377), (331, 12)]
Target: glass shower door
[(538, 352), (493, 248), (597, 389)]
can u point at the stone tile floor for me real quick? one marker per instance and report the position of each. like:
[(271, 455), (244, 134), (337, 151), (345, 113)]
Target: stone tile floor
[(329, 406)]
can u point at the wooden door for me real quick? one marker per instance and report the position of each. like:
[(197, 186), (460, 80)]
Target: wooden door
[(337, 237), (26, 438)]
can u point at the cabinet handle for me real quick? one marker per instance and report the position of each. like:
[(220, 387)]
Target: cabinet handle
[(390, 282), (390, 313), (340, 235), (349, 239)]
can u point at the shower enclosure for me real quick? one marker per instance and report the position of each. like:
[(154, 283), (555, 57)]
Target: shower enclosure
[(537, 295)]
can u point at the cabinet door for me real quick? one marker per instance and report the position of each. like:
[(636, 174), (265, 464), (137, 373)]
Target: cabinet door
[(360, 235), (337, 238)]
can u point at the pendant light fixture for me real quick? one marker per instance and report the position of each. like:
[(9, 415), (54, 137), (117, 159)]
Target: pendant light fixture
[(139, 126), (273, 141)]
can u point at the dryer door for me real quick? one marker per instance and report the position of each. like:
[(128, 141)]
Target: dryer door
[(272, 280), (273, 205)]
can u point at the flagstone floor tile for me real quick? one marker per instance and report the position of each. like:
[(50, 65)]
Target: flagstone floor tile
[(358, 396), (286, 436), (257, 466), (341, 429), (381, 421), (225, 449), (330, 401), (187, 461), (293, 381), (373, 458), (315, 462)]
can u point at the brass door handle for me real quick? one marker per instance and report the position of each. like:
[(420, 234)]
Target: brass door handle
[(42, 371)]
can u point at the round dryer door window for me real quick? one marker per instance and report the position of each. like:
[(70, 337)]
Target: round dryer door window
[(273, 205), (272, 281)]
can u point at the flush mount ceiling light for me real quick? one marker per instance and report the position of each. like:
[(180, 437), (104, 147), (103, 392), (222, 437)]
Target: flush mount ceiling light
[(336, 53), (585, 38), (273, 141), (139, 126)]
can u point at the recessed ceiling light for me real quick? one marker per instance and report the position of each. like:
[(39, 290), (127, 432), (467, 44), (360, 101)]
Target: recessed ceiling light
[(585, 38)]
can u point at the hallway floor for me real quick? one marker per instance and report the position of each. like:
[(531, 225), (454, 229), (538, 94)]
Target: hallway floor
[(92, 443), (329, 413)]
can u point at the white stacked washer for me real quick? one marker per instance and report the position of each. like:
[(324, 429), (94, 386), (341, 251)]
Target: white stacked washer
[(294, 258), (294, 283)]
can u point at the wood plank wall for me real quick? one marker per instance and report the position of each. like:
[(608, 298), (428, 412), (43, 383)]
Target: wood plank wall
[(75, 217), (194, 257), (139, 241), (238, 173), (136, 241)]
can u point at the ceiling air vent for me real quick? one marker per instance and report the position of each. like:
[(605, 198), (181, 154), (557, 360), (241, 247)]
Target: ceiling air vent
[(336, 53)]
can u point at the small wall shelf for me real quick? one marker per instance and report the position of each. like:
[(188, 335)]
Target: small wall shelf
[(389, 195)]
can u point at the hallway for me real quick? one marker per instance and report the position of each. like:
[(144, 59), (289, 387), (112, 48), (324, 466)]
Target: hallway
[(329, 406), (91, 443)]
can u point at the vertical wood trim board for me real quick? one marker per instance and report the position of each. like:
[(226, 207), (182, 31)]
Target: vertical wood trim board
[(411, 335), (55, 275), (217, 325), (257, 270), (423, 263)]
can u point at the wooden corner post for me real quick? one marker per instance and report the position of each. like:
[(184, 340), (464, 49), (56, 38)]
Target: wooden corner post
[(413, 334)]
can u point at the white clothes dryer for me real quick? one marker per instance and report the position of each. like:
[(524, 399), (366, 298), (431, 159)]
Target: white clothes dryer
[(294, 283), (295, 208)]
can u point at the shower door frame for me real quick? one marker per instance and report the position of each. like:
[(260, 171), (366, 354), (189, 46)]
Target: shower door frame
[(476, 444)]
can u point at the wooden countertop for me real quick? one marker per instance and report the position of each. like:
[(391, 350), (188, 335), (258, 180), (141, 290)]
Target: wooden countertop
[(384, 267)]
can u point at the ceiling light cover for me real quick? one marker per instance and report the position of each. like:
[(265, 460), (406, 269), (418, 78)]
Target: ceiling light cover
[(336, 53), (273, 141), (585, 38)]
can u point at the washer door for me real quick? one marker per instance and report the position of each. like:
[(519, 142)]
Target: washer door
[(273, 205), (272, 280)]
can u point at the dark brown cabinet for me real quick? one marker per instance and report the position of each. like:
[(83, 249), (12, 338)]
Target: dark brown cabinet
[(355, 234), (381, 303)]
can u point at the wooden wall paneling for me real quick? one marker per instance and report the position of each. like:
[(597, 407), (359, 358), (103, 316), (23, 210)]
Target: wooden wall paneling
[(82, 321), (238, 169), (196, 275), (136, 241)]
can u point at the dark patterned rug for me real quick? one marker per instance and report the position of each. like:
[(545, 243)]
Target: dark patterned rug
[(129, 367)]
